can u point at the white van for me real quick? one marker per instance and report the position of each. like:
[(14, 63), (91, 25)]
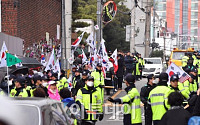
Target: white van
[(152, 66)]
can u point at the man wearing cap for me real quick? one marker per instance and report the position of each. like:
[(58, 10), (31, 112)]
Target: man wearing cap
[(157, 98), (177, 86), (185, 59), (80, 83), (144, 94), (75, 79), (19, 89), (99, 80), (62, 82), (191, 85), (89, 100), (131, 101)]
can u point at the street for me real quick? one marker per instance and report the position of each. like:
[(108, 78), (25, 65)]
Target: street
[(111, 118)]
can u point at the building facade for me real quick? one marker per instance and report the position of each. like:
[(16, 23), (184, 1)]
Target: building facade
[(30, 19), (183, 18)]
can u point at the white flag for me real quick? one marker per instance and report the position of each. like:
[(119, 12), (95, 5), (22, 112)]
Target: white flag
[(56, 68), (4, 49), (114, 56), (51, 62), (174, 69), (84, 57), (78, 40), (90, 41)]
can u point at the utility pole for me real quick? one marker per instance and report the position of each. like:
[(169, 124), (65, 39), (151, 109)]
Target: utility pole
[(154, 9), (63, 37), (68, 22), (66, 33), (132, 39), (147, 28), (99, 23)]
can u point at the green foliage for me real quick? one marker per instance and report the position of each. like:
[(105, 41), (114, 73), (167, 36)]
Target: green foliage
[(114, 32), (157, 53)]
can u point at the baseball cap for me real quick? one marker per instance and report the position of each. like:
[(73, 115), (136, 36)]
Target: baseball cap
[(150, 76), (90, 78), (99, 64), (52, 82), (20, 79), (130, 79), (174, 77), (77, 70), (84, 73), (163, 77), (37, 77), (194, 70)]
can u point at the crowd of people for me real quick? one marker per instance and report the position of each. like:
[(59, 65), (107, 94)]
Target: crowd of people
[(165, 103)]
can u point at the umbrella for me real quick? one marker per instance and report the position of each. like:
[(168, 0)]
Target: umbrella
[(12, 70), (30, 62)]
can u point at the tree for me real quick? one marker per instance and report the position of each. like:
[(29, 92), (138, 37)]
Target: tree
[(114, 32)]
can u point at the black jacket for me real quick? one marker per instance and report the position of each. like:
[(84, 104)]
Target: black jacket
[(176, 116), (129, 62), (120, 71), (144, 93)]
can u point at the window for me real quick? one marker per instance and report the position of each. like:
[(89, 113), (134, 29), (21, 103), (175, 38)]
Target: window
[(152, 61), (194, 15), (194, 23)]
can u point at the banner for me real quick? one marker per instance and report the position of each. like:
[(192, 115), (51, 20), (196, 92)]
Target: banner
[(12, 60)]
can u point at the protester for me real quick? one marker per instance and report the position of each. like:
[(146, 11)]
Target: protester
[(53, 91)]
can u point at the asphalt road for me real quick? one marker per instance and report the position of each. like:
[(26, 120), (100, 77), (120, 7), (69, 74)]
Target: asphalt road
[(113, 114)]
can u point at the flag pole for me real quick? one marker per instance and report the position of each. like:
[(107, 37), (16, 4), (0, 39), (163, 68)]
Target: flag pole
[(7, 82)]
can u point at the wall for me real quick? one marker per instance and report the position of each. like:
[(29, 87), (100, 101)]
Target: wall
[(31, 19)]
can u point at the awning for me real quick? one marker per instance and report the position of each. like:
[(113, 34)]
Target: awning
[(30, 62)]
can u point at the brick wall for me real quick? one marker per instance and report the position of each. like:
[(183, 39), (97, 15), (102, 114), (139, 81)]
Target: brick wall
[(31, 19), (9, 17)]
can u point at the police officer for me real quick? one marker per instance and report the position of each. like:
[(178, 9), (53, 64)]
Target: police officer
[(157, 98), (82, 82), (19, 89), (141, 64), (75, 79), (99, 80), (177, 86), (132, 110), (185, 59), (62, 82), (89, 100), (144, 94)]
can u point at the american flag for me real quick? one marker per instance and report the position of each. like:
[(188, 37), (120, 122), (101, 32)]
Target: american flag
[(184, 77)]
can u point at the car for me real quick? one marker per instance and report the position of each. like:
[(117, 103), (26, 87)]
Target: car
[(39, 111), (152, 66)]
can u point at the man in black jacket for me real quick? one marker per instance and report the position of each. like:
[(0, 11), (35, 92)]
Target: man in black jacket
[(144, 94), (120, 72), (129, 63)]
